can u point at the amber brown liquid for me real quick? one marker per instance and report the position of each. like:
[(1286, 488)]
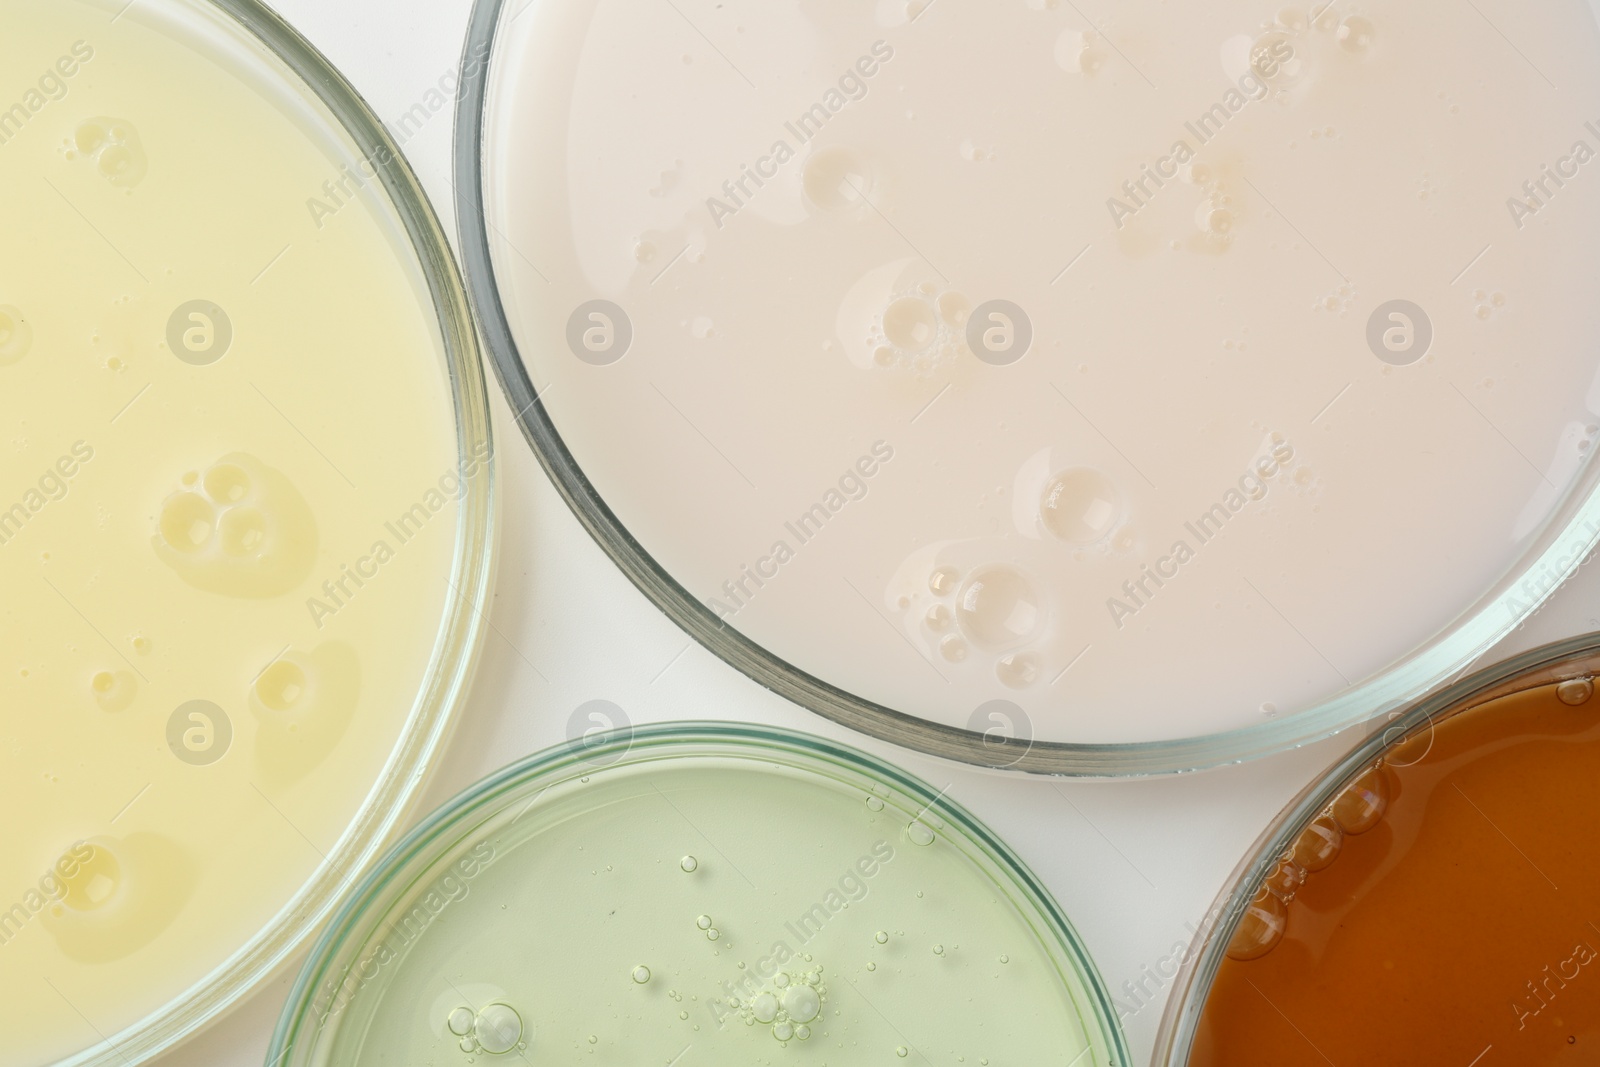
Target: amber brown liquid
[(1462, 929)]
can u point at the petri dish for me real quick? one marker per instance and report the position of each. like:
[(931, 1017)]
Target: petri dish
[(1104, 399), (247, 511), (722, 892), (1469, 811)]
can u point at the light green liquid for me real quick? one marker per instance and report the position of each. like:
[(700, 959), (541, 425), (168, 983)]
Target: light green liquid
[(710, 912)]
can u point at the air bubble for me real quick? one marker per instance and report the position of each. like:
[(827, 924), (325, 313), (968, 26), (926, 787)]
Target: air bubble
[(703, 922), (875, 803), (115, 148), (1018, 670), (713, 933), (998, 608), (1080, 506), (1260, 929), (783, 1031), (460, 1022), (952, 648), (1363, 802), (1575, 691), (881, 937), (943, 581), (802, 1003), (910, 323), (918, 833), (498, 1029), (641, 974), (1318, 844), (1356, 34), (954, 310), (1285, 880), (939, 617), (688, 865), (114, 691), (764, 1007)]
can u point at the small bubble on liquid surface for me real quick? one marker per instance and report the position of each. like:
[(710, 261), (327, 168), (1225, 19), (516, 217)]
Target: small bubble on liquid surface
[(498, 1029), (641, 974), (1363, 802), (703, 922), (943, 581), (1575, 691), (919, 834), (1356, 34), (1318, 844), (1260, 929), (802, 1003), (875, 803), (881, 937), (998, 608), (689, 864), (460, 1022), (713, 933), (1080, 506), (910, 323), (764, 1007)]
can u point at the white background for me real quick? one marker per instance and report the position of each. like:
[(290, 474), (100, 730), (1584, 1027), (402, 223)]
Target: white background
[(1131, 862)]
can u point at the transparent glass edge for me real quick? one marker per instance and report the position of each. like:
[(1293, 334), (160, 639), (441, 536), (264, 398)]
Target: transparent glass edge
[(358, 918), (1189, 988)]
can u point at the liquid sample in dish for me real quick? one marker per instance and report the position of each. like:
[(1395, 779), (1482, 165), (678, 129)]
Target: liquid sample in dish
[(228, 509), (740, 910), (1453, 916), (956, 353)]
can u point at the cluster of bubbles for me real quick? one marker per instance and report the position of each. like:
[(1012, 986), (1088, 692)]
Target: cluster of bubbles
[(240, 529), (1080, 52), (1337, 302), (921, 328), (995, 609), (1487, 303), (789, 1004), (705, 923), (1357, 809), (115, 149), (16, 336), (496, 1029)]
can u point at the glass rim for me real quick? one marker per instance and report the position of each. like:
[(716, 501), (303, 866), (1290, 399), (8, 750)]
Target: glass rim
[(1577, 657), (363, 911), (460, 630), (1555, 557)]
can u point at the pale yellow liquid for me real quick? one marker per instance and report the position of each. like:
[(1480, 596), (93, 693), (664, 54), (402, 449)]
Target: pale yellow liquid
[(205, 505)]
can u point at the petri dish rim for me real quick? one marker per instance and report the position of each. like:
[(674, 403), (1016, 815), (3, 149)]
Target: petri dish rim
[(1577, 657), (1564, 542), (365, 909), (289, 58)]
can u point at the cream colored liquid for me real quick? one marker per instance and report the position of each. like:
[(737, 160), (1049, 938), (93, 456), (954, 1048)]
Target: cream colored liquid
[(1201, 499), (172, 501)]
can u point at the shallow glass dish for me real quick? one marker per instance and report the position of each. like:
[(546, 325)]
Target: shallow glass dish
[(248, 518), (933, 368), (720, 893), (1418, 832)]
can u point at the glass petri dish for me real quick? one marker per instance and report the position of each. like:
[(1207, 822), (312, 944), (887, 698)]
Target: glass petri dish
[(745, 893), (938, 370), (1467, 812), (247, 511)]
